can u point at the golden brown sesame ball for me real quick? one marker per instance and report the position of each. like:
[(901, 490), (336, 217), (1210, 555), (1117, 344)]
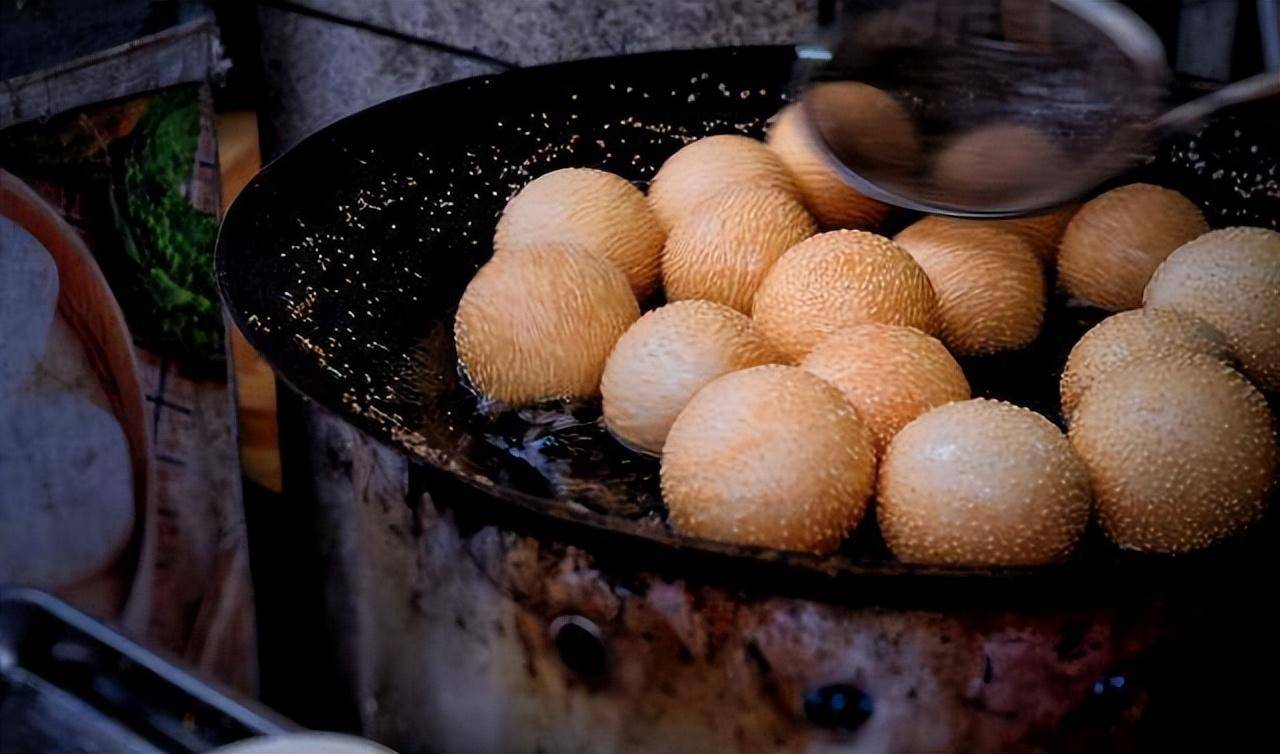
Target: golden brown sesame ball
[(993, 163), (666, 357), (1231, 279), (981, 483), (598, 211), (990, 286), (866, 124), (890, 374), (770, 456), (832, 201), (1117, 239), (723, 249), (704, 168), (1181, 450), (1043, 230), (1135, 335), (838, 279), (539, 325)]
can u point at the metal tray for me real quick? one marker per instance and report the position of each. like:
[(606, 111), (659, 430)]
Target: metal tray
[(70, 685)]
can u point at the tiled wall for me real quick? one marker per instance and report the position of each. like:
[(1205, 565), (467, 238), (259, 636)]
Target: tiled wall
[(318, 71)]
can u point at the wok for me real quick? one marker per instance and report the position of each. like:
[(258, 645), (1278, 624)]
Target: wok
[(343, 262)]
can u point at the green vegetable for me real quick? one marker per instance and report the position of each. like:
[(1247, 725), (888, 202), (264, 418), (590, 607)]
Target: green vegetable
[(170, 241)]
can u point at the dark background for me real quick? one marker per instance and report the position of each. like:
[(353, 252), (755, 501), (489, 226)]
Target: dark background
[(303, 64)]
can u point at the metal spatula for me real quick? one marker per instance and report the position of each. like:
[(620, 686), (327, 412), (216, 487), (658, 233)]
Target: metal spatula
[(993, 107)]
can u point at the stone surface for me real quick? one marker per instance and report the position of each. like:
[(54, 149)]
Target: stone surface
[(318, 72), (526, 32)]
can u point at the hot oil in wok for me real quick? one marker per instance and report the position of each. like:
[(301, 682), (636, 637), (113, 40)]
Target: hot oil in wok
[(348, 259)]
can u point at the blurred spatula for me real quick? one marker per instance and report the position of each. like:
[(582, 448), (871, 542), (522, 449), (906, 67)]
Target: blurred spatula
[(992, 107)]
